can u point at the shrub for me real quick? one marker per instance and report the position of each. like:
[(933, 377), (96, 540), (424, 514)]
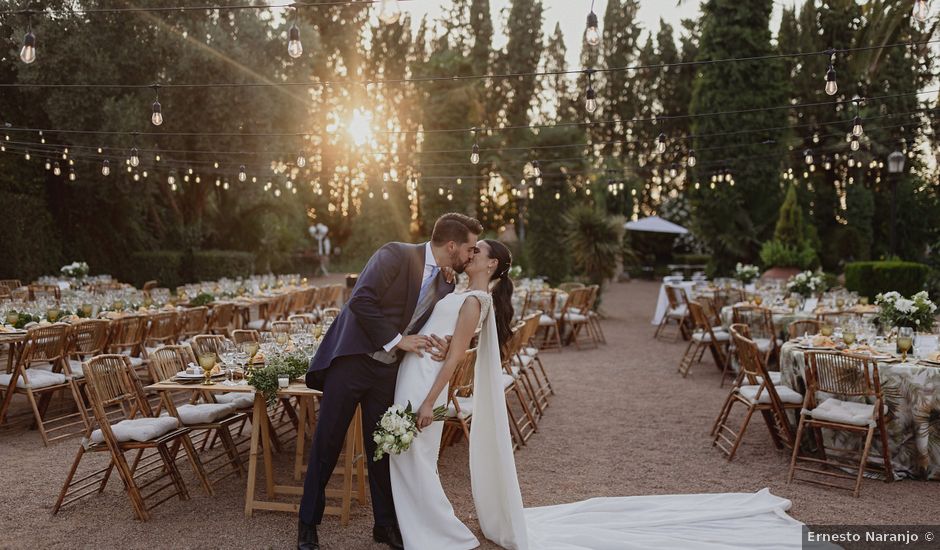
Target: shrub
[(792, 243), (172, 268), (872, 278), (209, 265), (593, 240), (776, 253), (162, 265)]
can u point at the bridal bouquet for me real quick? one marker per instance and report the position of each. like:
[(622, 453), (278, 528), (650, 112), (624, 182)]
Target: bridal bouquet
[(397, 429), (805, 284), (75, 269), (746, 273), (916, 312)]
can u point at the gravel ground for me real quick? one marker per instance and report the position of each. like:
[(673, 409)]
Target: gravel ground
[(622, 423)]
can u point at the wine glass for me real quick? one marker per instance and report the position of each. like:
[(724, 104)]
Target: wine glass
[(840, 302), (825, 329), (229, 355), (207, 362), (281, 338), (905, 341), (758, 300), (793, 302), (848, 335), (863, 300)]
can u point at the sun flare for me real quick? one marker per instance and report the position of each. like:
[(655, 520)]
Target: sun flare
[(360, 127)]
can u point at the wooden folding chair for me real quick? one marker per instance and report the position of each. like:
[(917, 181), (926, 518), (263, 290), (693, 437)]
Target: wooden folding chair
[(836, 318), (677, 312), (574, 316), (594, 318), (705, 336), (239, 336), (549, 333), (856, 406), (530, 364), (459, 402), (41, 370), (87, 339), (328, 315), (569, 286), (193, 321), (110, 386), (203, 344), (163, 330), (51, 292), (215, 419), (803, 326), (11, 284), (761, 328), (522, 424), (221, 319), (756, 390), (127, 338)]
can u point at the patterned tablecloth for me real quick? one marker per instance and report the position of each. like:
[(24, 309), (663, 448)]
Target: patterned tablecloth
[(782, 319), (912, 393)]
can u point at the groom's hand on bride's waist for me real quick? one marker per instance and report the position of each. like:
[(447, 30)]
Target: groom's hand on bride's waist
[(414, 343)]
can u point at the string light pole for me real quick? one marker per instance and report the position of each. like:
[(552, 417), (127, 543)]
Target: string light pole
[(895, 169)]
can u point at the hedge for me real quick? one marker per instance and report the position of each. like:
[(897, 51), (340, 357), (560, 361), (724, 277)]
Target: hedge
[(872, 278), (172, 268)]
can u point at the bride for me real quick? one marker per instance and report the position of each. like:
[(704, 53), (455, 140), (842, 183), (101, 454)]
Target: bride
[(425, 515)]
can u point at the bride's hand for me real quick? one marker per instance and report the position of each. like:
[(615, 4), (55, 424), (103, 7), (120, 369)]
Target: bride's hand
[(425, 416), (439, 347)]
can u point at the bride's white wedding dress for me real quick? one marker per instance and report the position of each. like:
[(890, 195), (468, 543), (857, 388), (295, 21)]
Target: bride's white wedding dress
[(427, 521)]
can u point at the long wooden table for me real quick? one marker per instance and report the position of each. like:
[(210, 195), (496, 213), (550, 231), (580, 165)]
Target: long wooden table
[(353, 460)]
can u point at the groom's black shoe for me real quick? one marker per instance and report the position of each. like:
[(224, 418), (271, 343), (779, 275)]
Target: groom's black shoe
[(307, 536), (388, 535)]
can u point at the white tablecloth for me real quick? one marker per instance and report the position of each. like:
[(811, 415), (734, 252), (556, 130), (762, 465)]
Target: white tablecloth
[(662, 304)]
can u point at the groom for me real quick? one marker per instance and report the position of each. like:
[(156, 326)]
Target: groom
[(357, 362)]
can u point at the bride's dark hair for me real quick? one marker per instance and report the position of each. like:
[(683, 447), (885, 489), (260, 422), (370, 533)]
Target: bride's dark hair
[(502, 291)]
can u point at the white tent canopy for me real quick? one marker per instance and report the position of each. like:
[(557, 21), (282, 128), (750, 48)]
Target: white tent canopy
[(655, 224)]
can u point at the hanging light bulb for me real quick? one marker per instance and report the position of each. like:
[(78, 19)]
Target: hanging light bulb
[(827, 165), (135, 158), (808, 156), (857, 126), (28, 52), (920, 11), (56, 169), (475, 154), (673, 171), (853, 143), (242, 176), (661, 143), (831, 86), (294, 48), (592, 35), (590, 102), (171, 179), (851, 161), (389, 12), (536, 169), (691, 160), (105, 167), (301, 160), (26, 156), (157, 117), (72, 176), (48, 165)]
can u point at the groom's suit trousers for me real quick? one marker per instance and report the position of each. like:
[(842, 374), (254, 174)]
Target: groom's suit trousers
[(350, 381)]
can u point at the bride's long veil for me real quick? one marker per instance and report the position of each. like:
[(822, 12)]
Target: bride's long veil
[(496, 493)]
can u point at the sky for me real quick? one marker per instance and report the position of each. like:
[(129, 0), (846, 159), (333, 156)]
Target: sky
[(573, 13)]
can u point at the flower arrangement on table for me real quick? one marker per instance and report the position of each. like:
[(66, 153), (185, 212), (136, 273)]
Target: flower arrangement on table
[(806, 284), (746, 273), (19, 319), (292, 364), (77, 270), (916, 312), (202, 299), (515, 272), (397, 429)]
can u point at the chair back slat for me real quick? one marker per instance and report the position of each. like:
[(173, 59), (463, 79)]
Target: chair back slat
[(193, 321), (803, 326), (844, 374), (89, 337), (204, 344), (223, 315), (166, 362), (240, 336), (163, 329), (127, 334), (47, 344)]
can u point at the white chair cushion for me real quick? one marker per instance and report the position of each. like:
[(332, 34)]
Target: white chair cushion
[(38, 378), (525, 361), (546, 321), (532, 352), (775, 377), (720, 336), (257, 324), (508, 380), (786, 394), (845, 412), (76, 367), (764, 344), (136, 361), (678, 311), (575, 317), (204, 413), (240, 400), (466, 407), (139, 429)]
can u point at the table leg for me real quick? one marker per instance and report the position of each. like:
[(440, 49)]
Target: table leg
[(301, 438), (266, 442), (257, 419)]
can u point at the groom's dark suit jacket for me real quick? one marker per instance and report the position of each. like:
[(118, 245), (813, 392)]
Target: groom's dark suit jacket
[(381, 305)]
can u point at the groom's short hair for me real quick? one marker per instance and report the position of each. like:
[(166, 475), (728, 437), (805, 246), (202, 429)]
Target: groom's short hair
[(455, 227)]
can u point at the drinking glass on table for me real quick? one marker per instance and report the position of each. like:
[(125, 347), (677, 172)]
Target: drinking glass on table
[(848, 334), (228, 352), (905, 341), (825, 329)]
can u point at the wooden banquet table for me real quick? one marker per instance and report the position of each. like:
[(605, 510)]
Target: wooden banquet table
[(352, 462), (912, 395)]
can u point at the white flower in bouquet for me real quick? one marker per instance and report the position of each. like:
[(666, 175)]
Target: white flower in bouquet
[(746, 272), (897, 311), (805, 283), (397, 429)]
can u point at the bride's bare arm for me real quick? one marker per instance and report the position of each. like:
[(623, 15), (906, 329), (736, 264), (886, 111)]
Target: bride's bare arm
[(467, 321)]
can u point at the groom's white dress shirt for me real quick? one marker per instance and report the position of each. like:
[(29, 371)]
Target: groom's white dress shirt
[(431, 269)]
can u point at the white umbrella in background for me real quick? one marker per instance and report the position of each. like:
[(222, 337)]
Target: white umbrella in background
[(655, 224)]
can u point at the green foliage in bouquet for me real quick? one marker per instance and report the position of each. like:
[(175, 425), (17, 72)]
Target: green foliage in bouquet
[(202, 299), (293, 365)]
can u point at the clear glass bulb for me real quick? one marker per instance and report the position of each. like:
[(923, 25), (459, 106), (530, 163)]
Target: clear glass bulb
[(590, 104), (28, 52), (474, 158), (105, 168), (661, 144), (538, 181), (294, 48), (48, 165), (854, 145), (389, 12), (691, 162), (857, 127), (56, 169), (242, 176), (157, 117), (171, 179), (851, 162), (673, 172), (27, 155), (592, 35), (808, 156), (831, 86), (135, 158), (920, 11), (301, 161), (71, 175)]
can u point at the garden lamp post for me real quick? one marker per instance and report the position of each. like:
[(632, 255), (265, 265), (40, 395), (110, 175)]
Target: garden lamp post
[(895, 168)]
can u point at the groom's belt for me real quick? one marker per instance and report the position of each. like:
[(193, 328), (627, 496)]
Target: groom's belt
[(387, 357)]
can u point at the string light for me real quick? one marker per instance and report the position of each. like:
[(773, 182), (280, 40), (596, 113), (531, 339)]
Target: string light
[(920, 11), (294, 48), (26, 156), (56, 169), (691, 160), (590, 102), (475, 150), (832, 87), (28, 52), (661, 143), (242, 176), (301, 159), (135, 157), (853, 143), (157, 116), (851, 161), (592, 34), (72, 176), (48, 165), (857, 126), (389, 12), (808, 156), (105, 167)]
